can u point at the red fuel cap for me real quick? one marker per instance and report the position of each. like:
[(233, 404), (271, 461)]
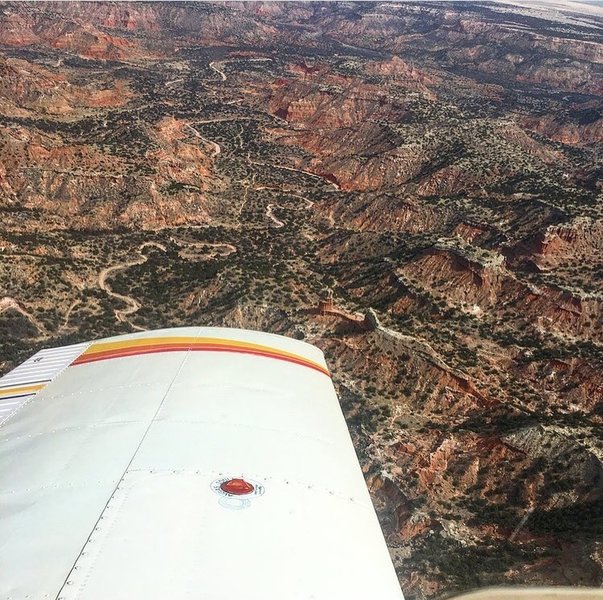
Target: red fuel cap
[(237, 487)]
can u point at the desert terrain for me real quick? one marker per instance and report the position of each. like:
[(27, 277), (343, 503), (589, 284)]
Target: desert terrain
[(431, 171)]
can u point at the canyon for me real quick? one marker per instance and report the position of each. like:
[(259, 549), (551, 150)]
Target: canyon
[(433, 170)]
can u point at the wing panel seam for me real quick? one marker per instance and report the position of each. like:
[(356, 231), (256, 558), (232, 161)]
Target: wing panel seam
[(121, 478)]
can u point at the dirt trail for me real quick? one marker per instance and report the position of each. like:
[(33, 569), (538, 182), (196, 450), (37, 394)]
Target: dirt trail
[(173, 81), (219, 71), (270, 208), (8, 303), (217, 148), (314, 175), (185, 252), (309, 203), (213, 67), (229, 247), (215, 145), (270, 215), (248, 186), (68, 315), (225, 120), (132, 304)]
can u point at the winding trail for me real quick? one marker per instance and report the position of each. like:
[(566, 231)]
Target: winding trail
[(309, 203), (8, 303), (213, 67), (68, 315), (270, 215), (270, 208), (219, 71), (133, 305), (215, 145), (229, 248)]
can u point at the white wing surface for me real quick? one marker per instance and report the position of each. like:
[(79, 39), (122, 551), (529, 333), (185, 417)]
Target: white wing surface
[(187, 463)]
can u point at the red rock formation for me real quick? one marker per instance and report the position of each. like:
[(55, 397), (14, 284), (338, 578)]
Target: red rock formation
[(405, 75), (26, 87), (31, 26), (573, 134), (558, 245), (467, 282)]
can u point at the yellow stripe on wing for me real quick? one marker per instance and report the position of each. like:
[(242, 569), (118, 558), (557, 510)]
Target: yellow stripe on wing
[(21, 390), (119, 345)]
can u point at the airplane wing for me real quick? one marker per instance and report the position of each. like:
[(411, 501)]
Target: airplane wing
[(183, 463)]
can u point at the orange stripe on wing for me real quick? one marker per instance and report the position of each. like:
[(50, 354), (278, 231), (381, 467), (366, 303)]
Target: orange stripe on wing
[(101, 347), (120, 353), (125, 351)]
